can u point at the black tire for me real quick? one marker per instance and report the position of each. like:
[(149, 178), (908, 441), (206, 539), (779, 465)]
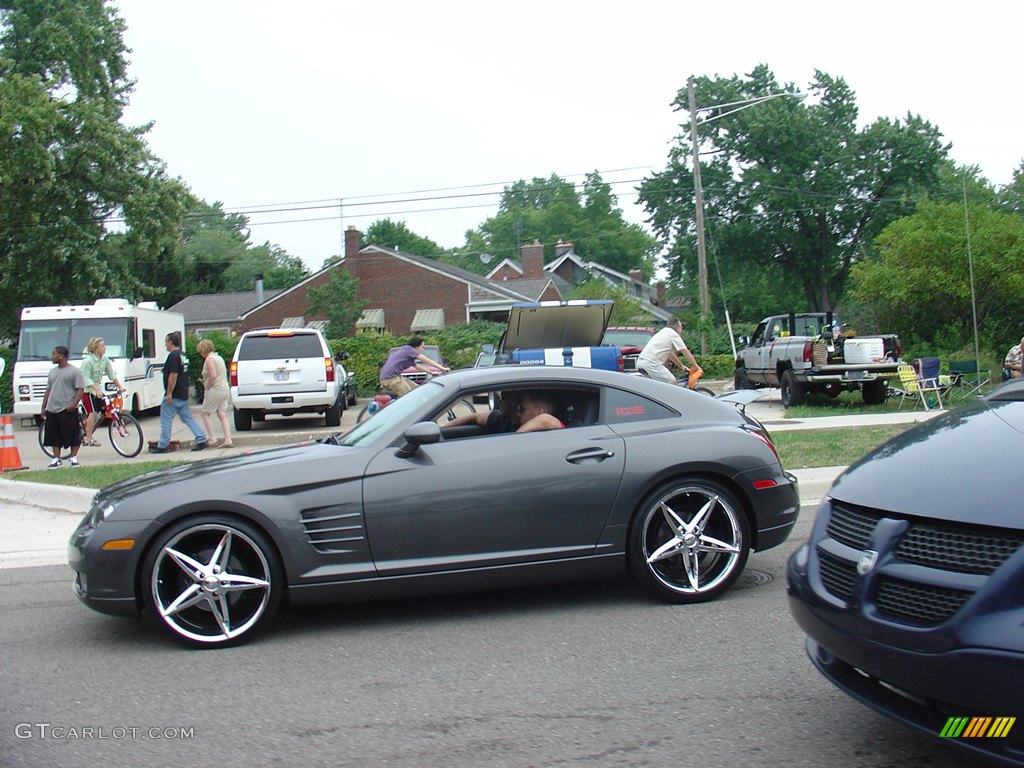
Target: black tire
[(332, 417), (125, 434), (364, 414), (243, 420), (793, 391), (688, 542), (874, 392), (232, 596), (353, 398), (740, 379)]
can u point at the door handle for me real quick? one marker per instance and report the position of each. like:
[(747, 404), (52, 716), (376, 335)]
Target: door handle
[(589, 453)]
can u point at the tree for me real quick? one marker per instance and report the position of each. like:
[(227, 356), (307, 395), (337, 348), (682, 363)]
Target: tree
[(553, 209), (919, 283), (67, 164), (279, 269), (397, 236), (628, 310), (1011, 197), (798, 189), (338, 301)]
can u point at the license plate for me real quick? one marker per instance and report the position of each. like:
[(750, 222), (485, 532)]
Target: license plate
[(855, 375), (280, 375)]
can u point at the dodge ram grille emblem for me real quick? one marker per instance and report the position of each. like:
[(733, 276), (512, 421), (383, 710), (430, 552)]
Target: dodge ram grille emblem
[(867, 562)]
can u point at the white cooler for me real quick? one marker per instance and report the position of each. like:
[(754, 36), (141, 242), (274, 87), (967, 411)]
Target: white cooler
[(858, 351)]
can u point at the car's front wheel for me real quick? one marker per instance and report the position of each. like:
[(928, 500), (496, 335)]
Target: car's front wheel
[(688, 541), (212, 581)]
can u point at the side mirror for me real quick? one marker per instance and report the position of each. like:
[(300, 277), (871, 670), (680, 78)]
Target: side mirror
[(137, 354), (487, 348), (743, 341), (343, 355), (423, 433)]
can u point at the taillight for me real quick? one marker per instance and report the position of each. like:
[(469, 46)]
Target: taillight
[(621, 363), (233, 372), (329, 364), (807, 351)]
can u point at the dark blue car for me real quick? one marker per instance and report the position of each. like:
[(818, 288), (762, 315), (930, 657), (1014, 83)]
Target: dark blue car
[(911, 587)]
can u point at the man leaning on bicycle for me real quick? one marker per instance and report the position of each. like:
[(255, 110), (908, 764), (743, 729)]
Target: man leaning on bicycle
[(95, 365), (665, 346), (411, 354)]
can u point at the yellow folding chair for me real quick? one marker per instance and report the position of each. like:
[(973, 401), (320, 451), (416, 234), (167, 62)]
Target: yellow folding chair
[(913, 386)]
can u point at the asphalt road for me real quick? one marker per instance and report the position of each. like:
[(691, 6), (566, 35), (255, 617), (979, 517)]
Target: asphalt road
[(593, 674)]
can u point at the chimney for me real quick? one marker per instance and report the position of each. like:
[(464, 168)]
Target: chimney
[(259, 288), (636, 274), (563, 247), (532, 256), (352, 238)]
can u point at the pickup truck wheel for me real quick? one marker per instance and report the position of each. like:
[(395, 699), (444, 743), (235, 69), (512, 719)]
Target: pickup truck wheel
[(792, 390), (873, 392), (243, 421), (741, 380)]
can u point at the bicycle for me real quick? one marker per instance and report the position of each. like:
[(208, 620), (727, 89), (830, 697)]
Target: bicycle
[(123, 429), (690, 382), (385, 397)]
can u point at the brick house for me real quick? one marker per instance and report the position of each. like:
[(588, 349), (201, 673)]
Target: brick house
[(406, 293)]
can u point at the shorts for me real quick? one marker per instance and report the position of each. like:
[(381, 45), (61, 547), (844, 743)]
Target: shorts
[(216, 400), (62, 430), (398, 384), (92, 404)]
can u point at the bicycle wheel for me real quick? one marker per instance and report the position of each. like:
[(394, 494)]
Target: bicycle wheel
[(704, 391), (125, 434), (44, 448), (460, 407)]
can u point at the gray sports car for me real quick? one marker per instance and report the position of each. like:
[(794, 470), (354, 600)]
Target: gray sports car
[(673, 486)]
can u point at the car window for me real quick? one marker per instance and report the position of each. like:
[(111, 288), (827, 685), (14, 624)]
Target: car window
[(574, 407), (637, 338), (398, 411), (280, 347), (623, 407)]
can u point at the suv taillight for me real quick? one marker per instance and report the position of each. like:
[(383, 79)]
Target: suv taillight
[(329, 364), (233, 374), (621, 363)]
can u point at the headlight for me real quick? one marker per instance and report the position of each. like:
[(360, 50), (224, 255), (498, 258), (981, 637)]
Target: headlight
[(23, 389), (99, 512)]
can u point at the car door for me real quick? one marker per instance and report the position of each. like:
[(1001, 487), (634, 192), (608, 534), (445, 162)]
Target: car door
[(492, 499)]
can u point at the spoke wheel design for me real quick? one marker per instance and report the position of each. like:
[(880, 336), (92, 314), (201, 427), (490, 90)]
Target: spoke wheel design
[(125, 435), (689, 542), (212, 582)]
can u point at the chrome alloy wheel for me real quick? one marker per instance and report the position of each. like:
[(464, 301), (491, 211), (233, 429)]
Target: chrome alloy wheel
[(691, 542), (211, 583)]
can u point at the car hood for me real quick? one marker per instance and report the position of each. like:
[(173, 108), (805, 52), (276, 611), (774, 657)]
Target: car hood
[(547, 324), (250, 471), (961, 466)]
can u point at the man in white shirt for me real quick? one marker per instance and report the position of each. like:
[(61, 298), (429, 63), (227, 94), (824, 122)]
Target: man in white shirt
[(663, 346)]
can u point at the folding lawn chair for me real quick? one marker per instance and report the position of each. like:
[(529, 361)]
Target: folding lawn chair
[(914, 385), (968, 378)]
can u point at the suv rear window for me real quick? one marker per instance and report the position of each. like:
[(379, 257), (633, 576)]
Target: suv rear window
[(279, 347)]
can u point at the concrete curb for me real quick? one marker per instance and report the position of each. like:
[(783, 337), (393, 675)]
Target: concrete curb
[(58, 498), (815, 482)]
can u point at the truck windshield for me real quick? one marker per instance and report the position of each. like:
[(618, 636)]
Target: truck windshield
[(39, 337)]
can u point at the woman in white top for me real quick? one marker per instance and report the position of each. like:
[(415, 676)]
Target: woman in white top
[(217, 394)]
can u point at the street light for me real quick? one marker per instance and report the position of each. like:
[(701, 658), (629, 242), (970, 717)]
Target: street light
[(702, 258)]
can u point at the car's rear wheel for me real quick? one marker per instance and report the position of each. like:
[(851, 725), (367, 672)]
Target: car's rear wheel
[(332, 418), (688, 542), (243, 420), (212, 581)]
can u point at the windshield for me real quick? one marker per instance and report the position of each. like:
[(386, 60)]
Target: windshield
[(397, 412), (637, 338), (39, 337)]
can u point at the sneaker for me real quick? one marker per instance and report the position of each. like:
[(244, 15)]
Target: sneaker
[(73, 462), (200, 445), (55, 464), (157, 449)]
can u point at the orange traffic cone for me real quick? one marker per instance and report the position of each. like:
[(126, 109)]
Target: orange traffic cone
[(10, 459)]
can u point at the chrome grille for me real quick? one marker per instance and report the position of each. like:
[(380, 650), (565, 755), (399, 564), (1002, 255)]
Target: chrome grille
[(837, 575), (918, 603), (851, 526), (960, 549)]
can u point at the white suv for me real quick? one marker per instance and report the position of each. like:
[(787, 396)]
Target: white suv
[(285, 370)]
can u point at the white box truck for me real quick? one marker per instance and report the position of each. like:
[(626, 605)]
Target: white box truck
[(134, 335)]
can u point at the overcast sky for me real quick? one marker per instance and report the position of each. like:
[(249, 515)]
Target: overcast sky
[(295, 106)]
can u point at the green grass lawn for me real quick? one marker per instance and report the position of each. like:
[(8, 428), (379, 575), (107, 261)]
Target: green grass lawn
[(92, 476), (849, 403), (804, 448)]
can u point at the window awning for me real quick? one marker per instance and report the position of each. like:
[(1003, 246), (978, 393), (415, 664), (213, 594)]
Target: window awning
[(428, 320), (294, 322), (371, 318), (319, 325)]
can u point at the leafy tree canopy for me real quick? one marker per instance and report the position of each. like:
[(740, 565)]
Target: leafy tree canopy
[(554, 209), (920, 283), (337, 301), (68, 165), (397, 236), (790, 186)]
